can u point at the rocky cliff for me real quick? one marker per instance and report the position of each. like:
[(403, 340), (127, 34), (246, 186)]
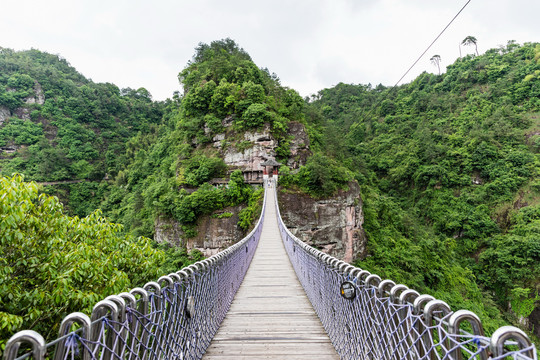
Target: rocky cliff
[(245, 152), (214, 232), (23, 112), (332, 225)]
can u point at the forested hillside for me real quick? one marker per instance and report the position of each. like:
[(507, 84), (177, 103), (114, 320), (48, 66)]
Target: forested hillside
[(448, 167), (56, 125), (225, 94)]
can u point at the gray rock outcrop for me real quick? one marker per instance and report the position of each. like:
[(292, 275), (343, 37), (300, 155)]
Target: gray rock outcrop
[(261, 147), (332, 225), (214, 232), (4, 114)]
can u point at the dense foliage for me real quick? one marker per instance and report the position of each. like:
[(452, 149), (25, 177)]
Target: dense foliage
[(53, 264), (66, 127), (321, 176), (137, 160), (169, 169), (448, 167)]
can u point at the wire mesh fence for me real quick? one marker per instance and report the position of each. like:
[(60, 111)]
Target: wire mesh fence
[(370, 318), (365, 317), (175, 317)]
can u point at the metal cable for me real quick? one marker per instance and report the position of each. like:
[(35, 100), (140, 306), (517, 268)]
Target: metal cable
[(388, 321), (173, 318)]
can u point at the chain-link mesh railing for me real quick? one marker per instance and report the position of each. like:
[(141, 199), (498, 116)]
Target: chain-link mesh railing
[(173, 318), (365, 317), (369, 318)]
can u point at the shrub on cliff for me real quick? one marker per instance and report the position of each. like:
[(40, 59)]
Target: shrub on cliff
[(321, 176)]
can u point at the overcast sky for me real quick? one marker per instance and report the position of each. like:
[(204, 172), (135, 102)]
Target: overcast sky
[(310, 45)]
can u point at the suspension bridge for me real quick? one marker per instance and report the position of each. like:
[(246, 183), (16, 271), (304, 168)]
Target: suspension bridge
[(271, 296)]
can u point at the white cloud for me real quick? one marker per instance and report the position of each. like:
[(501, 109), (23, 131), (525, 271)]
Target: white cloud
[(310, 45)]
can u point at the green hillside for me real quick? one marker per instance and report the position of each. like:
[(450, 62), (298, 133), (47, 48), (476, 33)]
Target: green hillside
[(224, 93), (448, 167), (65, 127)]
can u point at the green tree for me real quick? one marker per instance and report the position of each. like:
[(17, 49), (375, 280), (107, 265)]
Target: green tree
[(322, 176), (254, 116), (470, 40), (53, 264), (436, 60)]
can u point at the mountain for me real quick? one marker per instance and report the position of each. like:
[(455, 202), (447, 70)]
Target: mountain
[(231, 117), (448, 168), (57, 126), (439, 176)]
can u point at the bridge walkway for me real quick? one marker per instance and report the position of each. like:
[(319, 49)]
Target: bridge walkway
[(270, 316)]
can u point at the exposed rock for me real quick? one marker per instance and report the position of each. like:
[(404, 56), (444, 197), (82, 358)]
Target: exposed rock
[(520, 201), (213, 233), (476, 179), (218, 138), (228, 121), (264, 146), (4, 114), (10, 149), (168, 230), (22, 113), (38, 98), (299, 145), (333, 225), (251, 158), (534, 321)]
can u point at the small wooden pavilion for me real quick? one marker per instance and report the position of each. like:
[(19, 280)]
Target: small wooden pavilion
[(270, 169)]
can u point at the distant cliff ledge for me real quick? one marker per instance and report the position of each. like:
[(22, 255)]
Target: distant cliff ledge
[(332, 225)]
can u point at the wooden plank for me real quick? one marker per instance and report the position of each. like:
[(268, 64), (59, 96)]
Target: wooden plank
[(271, 317)]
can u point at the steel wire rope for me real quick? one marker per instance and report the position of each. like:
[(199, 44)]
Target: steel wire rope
[(433, 42), (418, 59)]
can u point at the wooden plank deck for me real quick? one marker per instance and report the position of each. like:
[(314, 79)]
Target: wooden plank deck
[(271, 317)]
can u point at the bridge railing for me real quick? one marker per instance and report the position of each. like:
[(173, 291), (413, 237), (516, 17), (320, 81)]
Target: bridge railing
[(370, 318), (175, 317)]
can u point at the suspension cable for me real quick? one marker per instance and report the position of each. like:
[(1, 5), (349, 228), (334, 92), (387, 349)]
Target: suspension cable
[(433, 42)]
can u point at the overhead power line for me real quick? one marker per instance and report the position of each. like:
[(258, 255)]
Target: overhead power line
[(433, 42)]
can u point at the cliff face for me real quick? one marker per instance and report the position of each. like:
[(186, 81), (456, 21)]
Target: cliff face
[(215, 232), (259, 146), (333, 225), (22, 112)]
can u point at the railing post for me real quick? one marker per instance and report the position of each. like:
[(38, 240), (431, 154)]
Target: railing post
[(140, 330), (504, 333), (100, 330), (85, 323), (25, 336), (453, 328)]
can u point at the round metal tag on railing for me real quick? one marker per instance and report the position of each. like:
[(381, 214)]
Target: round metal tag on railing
[(348, 290), (190, 307), (384, 320)]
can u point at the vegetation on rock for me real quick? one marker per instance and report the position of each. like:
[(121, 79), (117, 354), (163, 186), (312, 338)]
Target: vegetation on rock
[(448, 166), (67, 127)]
